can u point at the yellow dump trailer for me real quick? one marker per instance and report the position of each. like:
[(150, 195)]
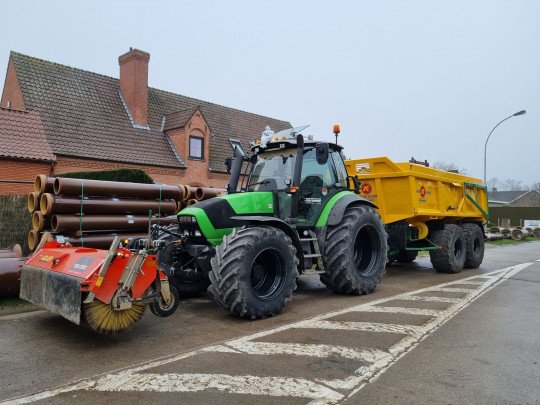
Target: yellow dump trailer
[(426, 209)]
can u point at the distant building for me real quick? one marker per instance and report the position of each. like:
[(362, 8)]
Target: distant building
[(57, 119), (514, 198)]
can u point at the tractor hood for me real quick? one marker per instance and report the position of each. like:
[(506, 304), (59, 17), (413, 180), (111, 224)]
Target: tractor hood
[(214, 216)]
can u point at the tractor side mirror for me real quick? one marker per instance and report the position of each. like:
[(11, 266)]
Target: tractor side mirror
[(321, 151)]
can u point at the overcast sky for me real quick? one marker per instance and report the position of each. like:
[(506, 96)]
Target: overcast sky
[(427, 79)]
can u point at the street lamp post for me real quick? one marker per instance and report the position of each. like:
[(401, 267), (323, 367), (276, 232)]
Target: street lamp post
[(495, 127)]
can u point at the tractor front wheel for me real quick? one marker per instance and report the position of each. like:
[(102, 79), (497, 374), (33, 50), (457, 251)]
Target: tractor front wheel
[(355, 252), (254, 272)]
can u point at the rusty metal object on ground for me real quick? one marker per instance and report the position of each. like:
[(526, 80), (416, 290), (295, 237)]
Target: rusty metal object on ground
[(12, 251), (9, 276), (70, 223), (192, 202), (76, 187), (53, 204)]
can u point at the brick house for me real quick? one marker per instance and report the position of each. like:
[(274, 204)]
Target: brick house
[(58, 119)]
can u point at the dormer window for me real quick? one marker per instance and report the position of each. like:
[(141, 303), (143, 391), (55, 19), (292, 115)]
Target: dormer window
[(196, 147)]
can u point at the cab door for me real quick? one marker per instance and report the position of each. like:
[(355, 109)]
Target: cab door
[(319, 183)]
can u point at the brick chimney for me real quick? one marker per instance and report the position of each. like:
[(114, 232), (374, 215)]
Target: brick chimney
[(134, 84)]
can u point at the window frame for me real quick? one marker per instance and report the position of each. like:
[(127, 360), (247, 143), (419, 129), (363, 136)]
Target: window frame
[(201, 138)]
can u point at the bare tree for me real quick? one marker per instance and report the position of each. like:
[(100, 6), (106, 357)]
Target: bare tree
[(449, 167), (513, 185), (494, 182)]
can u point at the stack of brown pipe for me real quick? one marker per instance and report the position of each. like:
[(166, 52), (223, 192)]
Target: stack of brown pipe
[(92, 212), (11, 261)]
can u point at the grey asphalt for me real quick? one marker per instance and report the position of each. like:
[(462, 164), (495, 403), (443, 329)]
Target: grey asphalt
[(488, 353)]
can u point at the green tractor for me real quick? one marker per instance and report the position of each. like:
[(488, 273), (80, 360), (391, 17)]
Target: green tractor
[(296, 211)]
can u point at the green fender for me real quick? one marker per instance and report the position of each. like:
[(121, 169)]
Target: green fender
[(335, 208)]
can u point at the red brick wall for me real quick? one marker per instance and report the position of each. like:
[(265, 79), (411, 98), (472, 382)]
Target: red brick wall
[(134, 83), (12, 90), (190, 176), (20, 170), (28, 170)]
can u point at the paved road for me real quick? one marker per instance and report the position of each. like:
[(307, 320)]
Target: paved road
[(422, 337)]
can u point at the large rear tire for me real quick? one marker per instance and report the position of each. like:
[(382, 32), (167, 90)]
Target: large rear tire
[(254, 272), (451, 256), (355, 252), (474, 242)]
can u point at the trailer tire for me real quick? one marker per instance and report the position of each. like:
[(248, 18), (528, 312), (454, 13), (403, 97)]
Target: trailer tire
[(474, 242), (159, 308), (254, 272), (355, 252), (407, 256), (451, 257)]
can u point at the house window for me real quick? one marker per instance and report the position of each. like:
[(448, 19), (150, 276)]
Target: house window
[(196, 147)]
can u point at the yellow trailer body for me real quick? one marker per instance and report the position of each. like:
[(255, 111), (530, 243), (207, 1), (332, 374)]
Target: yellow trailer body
[(418, 194)]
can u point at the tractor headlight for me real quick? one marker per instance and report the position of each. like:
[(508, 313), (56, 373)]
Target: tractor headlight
[(186, 218)]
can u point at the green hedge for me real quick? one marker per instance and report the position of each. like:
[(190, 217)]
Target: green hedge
[(123, 175)]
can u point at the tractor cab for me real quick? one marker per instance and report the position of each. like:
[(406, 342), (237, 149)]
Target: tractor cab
[(304, 174)]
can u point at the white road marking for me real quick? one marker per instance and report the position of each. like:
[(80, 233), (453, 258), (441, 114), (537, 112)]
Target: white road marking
[(318, 389), (452, 289), (172, 382), (299, 349), (427, 298), (402, 310), (362, 326)]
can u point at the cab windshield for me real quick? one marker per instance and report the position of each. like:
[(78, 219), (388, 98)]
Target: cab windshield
[(273, 170)]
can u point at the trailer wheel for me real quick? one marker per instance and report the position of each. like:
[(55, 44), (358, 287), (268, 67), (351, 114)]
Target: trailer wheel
[(160, 308), (254, 272), (451, 257), (407, 256), (474, 242), (355, 252)]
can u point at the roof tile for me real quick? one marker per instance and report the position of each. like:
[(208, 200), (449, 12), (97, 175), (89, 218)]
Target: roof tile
[(22, 136)]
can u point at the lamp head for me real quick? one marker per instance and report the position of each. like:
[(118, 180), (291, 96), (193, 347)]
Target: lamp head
[(522, 112)]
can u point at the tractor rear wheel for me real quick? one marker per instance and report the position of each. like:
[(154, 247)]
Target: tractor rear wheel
[(254, 272), (451, 257), (355, 252), (407, 256), (474, 242)]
